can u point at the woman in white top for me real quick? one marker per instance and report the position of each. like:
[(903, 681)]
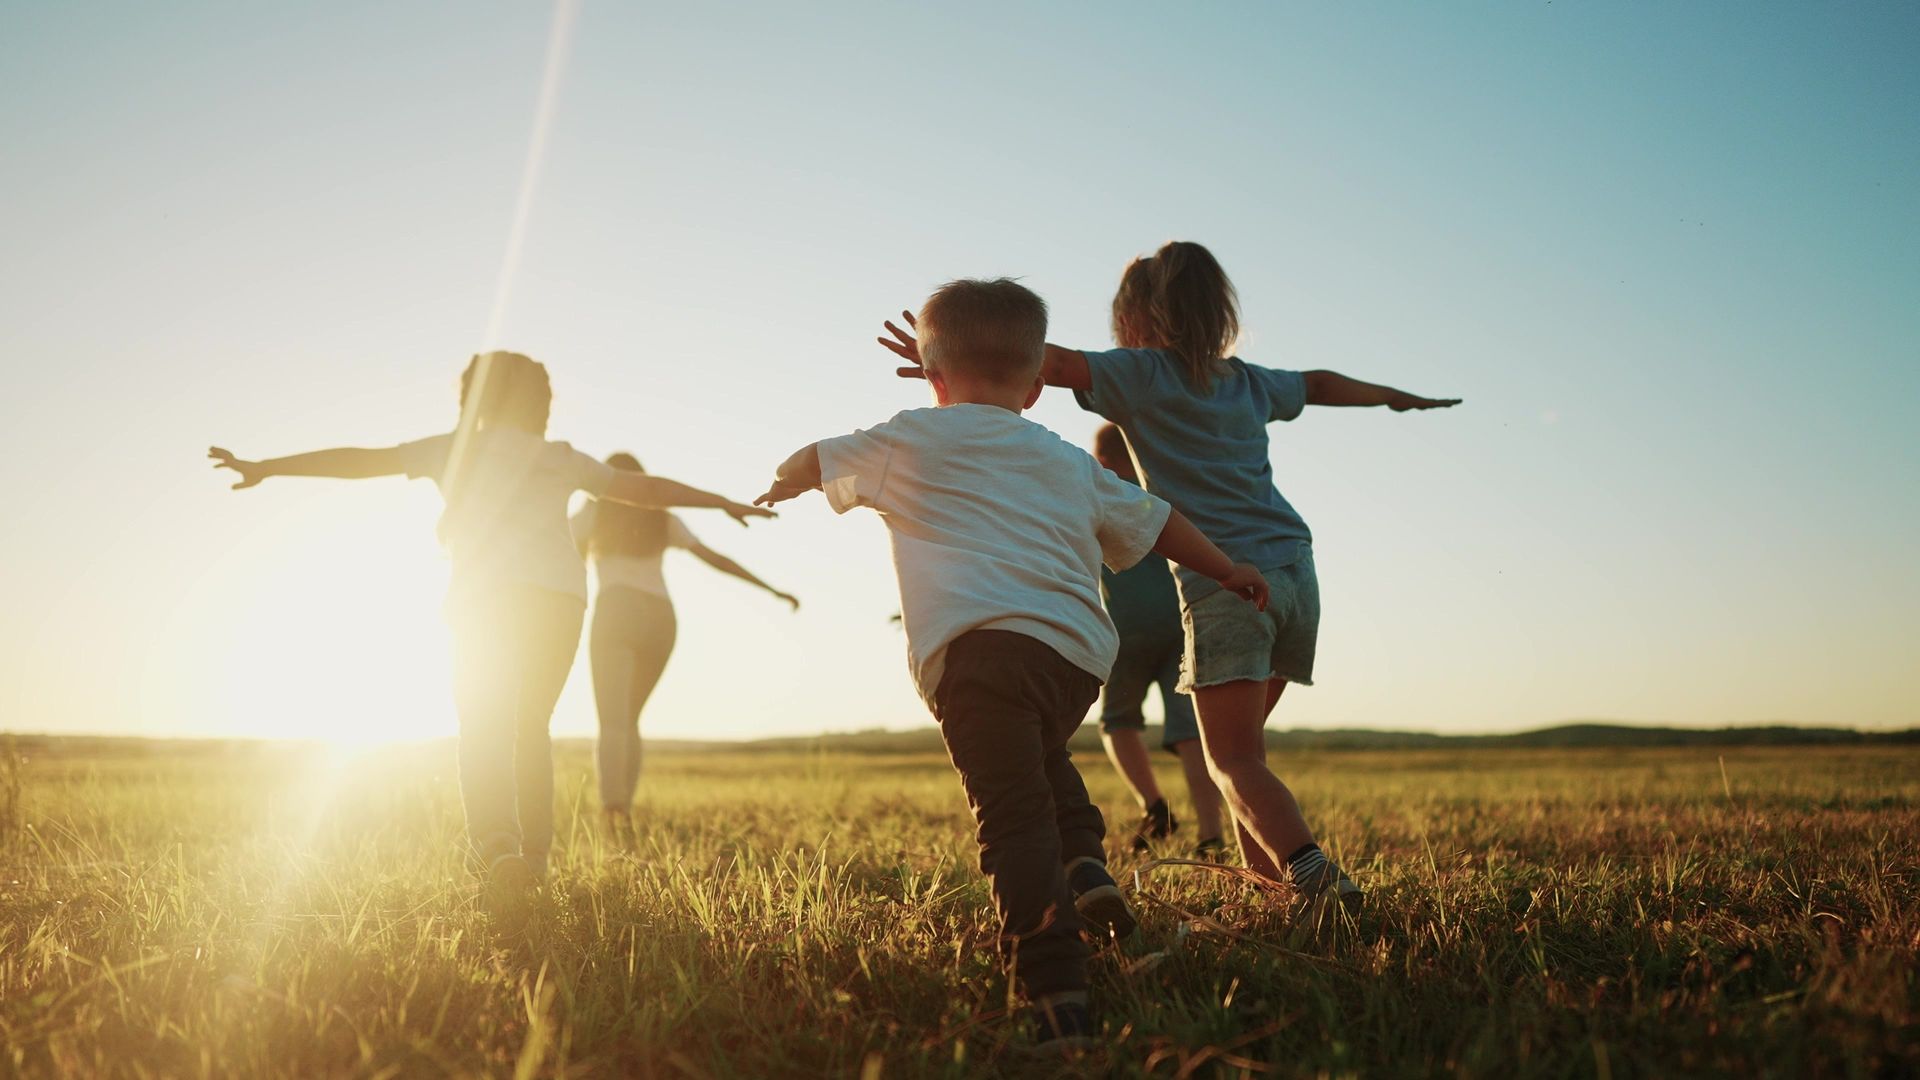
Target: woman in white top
[(517, 595), (633, 624)]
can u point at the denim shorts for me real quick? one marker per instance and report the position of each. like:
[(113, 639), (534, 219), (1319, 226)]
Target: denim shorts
[(1229, 641), (1135, 671)]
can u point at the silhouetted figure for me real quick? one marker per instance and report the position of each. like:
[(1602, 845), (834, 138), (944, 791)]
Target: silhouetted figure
[(633, 627), (518, 591)]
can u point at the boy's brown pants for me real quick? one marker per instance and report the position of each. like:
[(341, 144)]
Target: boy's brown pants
[(1007, 705)]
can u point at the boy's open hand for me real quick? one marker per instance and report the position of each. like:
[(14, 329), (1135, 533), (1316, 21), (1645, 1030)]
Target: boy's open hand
[(1402, 401), (780, 492), (905, 347), (1248, 584), (250, 472), (742, 513)]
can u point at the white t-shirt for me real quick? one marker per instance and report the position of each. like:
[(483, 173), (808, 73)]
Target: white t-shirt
[(997, 524), (509, 524), (642, 572)]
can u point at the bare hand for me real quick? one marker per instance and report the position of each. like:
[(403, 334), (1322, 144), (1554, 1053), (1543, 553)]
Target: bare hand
[(1401, 402), (788, 597), (251, 472), (905, 346), (742, 513), (1248, 584), (780, 492)]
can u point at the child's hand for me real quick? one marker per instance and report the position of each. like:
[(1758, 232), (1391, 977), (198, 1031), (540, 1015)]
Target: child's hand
[(780, 492), (905, 347), (1401, 401), (1248, 584), (251, 472), (742, 513), (789, 598)]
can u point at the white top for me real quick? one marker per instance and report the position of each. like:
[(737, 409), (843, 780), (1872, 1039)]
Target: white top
[(642, 572), (997, 524), (509, 523)]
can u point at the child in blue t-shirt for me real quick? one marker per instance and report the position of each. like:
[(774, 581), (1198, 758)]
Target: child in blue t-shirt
[(1196, 417)]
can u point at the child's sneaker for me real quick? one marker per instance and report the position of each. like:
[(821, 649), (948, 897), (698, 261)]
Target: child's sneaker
[(1062, 1022), (1098, 899), (1211, 849), (1325, 899), (510, 886), (1156, 824)]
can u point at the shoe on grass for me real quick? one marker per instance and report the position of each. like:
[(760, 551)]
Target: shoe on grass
[(1063, 1022), (510, 887), (1326, 900), (1157, 823), (1098, 900), (1211, 849)]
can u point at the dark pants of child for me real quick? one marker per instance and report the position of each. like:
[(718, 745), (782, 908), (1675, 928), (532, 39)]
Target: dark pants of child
[(1007, 705)]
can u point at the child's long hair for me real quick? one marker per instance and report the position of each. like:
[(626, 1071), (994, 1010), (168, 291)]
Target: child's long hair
[(619, 529), (1178, 299), (515, 392)]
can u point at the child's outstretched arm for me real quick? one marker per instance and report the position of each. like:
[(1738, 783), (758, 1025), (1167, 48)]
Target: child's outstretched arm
[(1062, 367), (641, 489), (1185, 544), (796, 476), (1333, 388), (343, 463)]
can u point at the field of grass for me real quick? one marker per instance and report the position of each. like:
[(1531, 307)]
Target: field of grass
[(275, 912)]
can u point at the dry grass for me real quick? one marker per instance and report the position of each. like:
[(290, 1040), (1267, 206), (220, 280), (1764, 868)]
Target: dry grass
[(280, 913)]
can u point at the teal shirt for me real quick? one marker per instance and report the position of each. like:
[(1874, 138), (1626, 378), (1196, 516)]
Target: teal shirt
[(1206, 452), (1142, 601)]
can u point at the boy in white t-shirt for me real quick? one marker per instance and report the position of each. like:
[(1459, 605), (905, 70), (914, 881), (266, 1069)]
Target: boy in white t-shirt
[(999, 528)]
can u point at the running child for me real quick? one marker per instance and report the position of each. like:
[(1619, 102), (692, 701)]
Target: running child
[(1145, 609), (999, 528), (1196, 417), (517, 594)]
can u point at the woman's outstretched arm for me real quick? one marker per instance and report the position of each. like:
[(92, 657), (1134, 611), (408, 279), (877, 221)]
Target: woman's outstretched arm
[(1333, 388), (342, 463), (727, 566), (641, 489)]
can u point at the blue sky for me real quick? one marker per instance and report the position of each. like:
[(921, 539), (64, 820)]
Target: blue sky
[(1668, 254)]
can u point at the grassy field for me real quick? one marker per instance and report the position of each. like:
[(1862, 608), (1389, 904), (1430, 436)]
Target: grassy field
[(1590, 913)]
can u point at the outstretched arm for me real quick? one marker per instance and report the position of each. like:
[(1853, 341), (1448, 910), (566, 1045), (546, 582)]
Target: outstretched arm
[(641, 489), (343, 463), (796, 476), (1184, 543), (1333, 388), (727, 566), (1062, 367)]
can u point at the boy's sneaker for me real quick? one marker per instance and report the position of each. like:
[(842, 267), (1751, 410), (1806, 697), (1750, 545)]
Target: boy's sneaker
[(510, 886), (1326, 899), (1156, 824), (1098, 899), (1212, 849), (1063, 1023)]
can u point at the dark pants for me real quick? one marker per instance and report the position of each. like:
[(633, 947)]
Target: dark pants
[(1007, 705)]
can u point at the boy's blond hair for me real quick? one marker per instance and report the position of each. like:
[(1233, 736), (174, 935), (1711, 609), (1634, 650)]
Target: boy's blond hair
[(994, 330)]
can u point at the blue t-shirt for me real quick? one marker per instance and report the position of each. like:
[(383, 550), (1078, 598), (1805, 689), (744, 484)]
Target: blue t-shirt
[(1206, 452)]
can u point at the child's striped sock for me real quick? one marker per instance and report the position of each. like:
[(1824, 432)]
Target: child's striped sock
[(1308, 866)]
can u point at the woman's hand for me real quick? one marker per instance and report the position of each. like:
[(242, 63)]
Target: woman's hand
[(743, 513), (251, 472), (905, 346)]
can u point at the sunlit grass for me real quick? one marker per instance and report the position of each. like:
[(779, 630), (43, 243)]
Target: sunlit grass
[(279, 911)]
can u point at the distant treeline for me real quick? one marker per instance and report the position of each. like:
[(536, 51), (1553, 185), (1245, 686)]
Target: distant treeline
[(1574, 736)]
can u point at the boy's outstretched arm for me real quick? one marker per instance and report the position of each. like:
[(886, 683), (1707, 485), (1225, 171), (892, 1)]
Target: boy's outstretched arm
[(1333, 388), (1184, 543), (1062, 367), (343, 463), (796, 476), (641, 489)]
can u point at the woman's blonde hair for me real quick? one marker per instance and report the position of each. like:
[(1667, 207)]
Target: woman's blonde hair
[(1180, 300), (515, 392)]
